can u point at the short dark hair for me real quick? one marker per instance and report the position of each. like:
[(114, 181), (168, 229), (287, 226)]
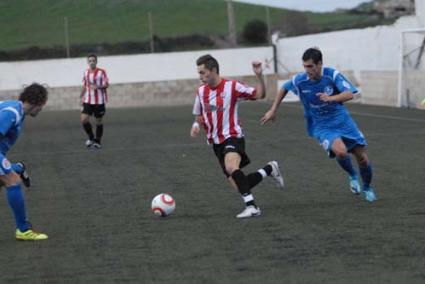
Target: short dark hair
[(34, 94), (209, 62), (313, 53), (92, 55)]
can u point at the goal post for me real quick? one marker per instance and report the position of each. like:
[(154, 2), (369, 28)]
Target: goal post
[(411, 85)]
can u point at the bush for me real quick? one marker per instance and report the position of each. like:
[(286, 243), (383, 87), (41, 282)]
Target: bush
[(255, 32)]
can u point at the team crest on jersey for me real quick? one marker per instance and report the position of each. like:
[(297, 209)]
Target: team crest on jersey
[(212, 108), (6, 164), (329, 90)]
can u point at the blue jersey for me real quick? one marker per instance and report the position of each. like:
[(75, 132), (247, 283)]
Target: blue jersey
[(11, 120), (326, 120)]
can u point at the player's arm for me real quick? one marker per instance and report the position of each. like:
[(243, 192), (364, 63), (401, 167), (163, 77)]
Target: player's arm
[(199, 120), (105, 82), (7, 120), (261, 86), (196, 126), (270, 115), (344, 86), (339, 98)]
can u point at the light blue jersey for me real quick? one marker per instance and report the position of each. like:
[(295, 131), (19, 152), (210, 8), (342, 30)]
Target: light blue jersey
[(11, 120), (326, 121)]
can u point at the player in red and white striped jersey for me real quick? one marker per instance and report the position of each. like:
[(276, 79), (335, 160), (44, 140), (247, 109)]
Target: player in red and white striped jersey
[(216, 109), (93, 99)]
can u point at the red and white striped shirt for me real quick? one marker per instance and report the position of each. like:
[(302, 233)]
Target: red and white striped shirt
[(219, 109), (98, 78)]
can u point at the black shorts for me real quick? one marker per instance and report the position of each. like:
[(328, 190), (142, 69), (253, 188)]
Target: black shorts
[(235, 145), (97, 110)]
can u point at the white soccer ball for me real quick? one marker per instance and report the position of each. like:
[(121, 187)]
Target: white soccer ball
[(163, 205)]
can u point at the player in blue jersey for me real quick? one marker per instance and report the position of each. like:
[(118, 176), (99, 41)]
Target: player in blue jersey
[(322, 91), (12, 115)]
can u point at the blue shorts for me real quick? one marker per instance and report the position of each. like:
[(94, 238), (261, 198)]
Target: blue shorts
[(5, 166), (346, 130)]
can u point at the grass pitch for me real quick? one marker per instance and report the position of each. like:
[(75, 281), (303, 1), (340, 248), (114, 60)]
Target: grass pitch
[(95, 205)]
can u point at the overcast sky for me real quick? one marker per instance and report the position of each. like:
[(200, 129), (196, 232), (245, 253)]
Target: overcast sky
[(308, 5)]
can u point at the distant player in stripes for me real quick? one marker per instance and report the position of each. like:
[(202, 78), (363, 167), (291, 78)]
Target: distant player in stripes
[(12, 115), (322, 91), (216, 109), (93, 99)]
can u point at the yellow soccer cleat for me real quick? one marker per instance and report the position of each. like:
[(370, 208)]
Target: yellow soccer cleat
[(30, 235)]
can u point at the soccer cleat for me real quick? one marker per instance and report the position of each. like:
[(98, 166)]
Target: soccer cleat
[(26, 180), (355, 185), (369, 194), (97, 145), (89, 143), (276, 174), (250, 211), (30, 235)]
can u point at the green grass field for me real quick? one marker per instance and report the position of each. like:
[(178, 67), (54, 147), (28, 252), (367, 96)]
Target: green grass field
[(95, 204), (40, 23)]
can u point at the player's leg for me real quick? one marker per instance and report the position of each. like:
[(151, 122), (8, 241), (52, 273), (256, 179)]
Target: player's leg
[(21, 170), (98, 114), (15, 198), (85, 122), (232, 161), (339, 149), (366, 171), (271, 169)]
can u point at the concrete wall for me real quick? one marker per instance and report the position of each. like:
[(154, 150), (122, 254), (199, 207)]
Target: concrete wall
[(135, 80), (130, 68), (375, 48), (379, 87), (163, 93)]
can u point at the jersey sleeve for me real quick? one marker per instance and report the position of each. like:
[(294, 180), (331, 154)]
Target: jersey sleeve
[(7, 119), (197, 107), (342, 83), (84, 81), (244, 92), (105, 80), (290, 87)]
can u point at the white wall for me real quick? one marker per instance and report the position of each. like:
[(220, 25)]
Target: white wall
[(130, 68), (420, 12), (375, 48)]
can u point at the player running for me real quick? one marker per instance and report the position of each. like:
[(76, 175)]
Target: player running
[(216, 109), (12, 115), (322, 91)]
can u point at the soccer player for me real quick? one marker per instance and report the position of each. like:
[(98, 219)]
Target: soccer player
[(12, 115), (93, 99), (322, 91), (216, 109)]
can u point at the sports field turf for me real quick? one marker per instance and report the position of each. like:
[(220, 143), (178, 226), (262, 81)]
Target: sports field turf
[(95, 205)]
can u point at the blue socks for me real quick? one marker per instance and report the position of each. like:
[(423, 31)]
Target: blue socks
[(366, 173), (17, 203), (345, 163)]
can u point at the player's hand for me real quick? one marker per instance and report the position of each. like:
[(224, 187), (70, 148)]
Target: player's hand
[(268, 116), (194, 131), (258, 69), (324, 97)]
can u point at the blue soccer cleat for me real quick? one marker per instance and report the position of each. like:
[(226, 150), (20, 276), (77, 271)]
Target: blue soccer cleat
[(370, 194), (355, 185)]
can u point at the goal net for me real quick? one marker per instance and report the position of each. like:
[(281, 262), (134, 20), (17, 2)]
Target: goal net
[(412, 69)]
